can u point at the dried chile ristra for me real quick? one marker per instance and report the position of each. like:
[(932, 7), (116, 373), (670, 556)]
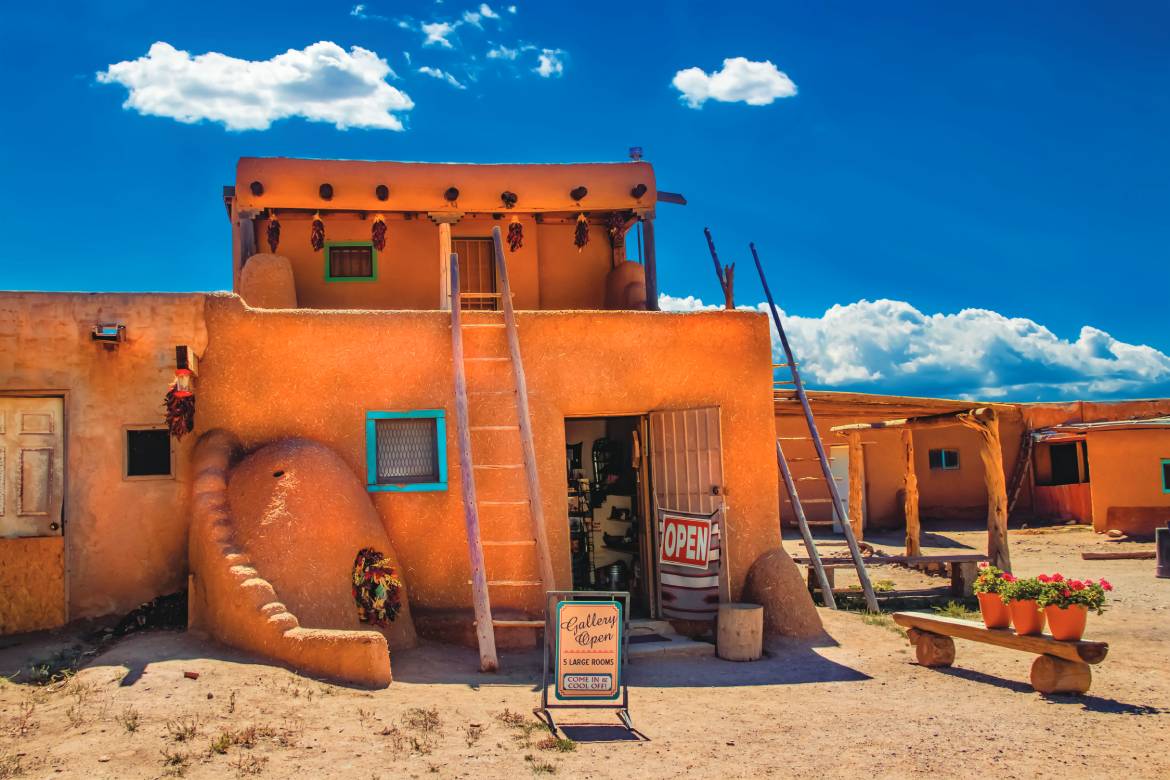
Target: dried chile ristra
[(317, 237), (581, 234), (378, 233), (515, 236), (273, 233), (180, 413)]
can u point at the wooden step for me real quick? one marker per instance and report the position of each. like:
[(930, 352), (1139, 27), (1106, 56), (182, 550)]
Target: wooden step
[(493, 427), (516, 543), (483, 325), (486, 359)]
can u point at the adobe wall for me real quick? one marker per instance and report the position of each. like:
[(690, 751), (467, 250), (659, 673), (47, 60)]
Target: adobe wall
[(1126, 480), (125, 542), (274, 374)]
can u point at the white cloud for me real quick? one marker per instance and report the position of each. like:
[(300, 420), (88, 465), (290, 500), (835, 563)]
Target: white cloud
[(740, 81), (436, 33), (511, 9), (486, 11), (321, 83), (888, 346), (502, 52), (550, 63), (361, 11), (441, 75)]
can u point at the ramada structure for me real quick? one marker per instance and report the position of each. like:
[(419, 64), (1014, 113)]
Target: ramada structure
[(437, 392)]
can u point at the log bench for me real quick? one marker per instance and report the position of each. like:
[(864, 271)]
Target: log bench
[(1061, 667), (963, 568)]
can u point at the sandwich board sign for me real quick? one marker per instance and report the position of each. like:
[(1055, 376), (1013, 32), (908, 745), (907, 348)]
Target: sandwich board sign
[(585, 641)]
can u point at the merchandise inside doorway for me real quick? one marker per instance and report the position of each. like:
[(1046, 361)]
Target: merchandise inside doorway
[(610, 533)]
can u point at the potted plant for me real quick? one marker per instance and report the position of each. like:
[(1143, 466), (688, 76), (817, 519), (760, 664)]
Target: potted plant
[(1066, 604), (1021, 594), (988, 586)]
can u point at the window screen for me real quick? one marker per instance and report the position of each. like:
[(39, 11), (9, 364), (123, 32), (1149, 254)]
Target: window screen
[(407, 451), (351, 262), (148, 453), (944, 459)]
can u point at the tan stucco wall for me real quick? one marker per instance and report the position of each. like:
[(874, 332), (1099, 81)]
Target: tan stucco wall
[(32, 584), (125, 542), (1126, 480), (273, 374)]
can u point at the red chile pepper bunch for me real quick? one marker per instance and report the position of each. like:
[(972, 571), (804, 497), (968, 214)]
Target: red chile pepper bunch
[(378, 233), (581, 234), (515, 235), (273, 233), (180, 412), (317, 236)]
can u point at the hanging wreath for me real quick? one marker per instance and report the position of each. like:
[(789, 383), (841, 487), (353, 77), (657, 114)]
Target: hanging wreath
[(317, 236), (378, 233), (273, 232), (180, 406), (377, 592), (515, 235), (581, 234)]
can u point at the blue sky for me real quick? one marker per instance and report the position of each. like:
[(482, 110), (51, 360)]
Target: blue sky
[(969, 185)]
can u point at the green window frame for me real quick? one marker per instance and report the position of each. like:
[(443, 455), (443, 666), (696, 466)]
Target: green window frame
[(373, 277), (374, 484), (1166, 475), (944, 459)]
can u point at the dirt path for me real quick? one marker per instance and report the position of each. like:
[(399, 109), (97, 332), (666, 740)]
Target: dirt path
[(855, 705)]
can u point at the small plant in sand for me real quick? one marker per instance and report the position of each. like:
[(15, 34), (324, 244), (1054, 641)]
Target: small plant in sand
[(540, 767), (248, 764), (426, 726), (174, 763), (183, 729), (522, 727), (559, 744), (221, 743), (21, 724), (472, 732), (395, 736), (130, 719)]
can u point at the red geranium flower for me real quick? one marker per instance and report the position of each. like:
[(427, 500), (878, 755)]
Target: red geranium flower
[(1043, 578), (1105, 584), (983, 564), (1076, 585), (1008, 577), (1058, 577), (1066, 593)]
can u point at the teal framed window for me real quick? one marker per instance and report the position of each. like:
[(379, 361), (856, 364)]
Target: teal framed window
[(406, 452), (1166, 475), (351, 261), (947, 460)]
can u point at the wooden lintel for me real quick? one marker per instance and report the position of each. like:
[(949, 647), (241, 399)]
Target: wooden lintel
[(928, 421)]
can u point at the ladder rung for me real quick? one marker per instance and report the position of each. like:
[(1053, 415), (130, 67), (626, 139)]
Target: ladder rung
[(483, 324), (808, 479), (802, 460), (793, 438), (785, 365), (486, 359), (493, 466), (518, 623), (493, 427), (501, 503), (784, 382), (495, 392), (518, 543), (816, 500), (513, 583)]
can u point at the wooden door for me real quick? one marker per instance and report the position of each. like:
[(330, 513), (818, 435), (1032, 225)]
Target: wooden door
[(32, 466), (686, 469), (477, 273)]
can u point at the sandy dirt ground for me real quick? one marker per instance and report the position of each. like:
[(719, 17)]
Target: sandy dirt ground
[(852, 704)]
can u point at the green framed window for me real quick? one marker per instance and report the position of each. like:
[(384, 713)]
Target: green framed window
[(350, 261), (1166, 475), (947, 460), (406, 452)]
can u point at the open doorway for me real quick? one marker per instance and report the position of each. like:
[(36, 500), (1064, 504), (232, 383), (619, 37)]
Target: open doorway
[(609, 517)]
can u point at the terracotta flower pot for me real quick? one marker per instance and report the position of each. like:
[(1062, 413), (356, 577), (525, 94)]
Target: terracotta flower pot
[(1067, 623), (995, 612), (1027, 617)]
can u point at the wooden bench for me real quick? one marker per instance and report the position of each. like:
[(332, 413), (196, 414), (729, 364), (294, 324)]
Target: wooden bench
[(1062, 667), (963, 568)]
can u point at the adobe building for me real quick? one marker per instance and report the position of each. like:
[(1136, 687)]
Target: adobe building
[(331, 412)]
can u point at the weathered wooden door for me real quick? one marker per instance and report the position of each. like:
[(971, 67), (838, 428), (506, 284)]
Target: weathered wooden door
[(686, 468), (32, 464)]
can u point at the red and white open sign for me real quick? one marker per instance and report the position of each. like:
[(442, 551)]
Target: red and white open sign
[(685, 541)]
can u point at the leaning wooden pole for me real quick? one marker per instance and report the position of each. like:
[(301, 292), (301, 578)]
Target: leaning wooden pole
[(528, 446), (838, 507), (485, 632), (805, 533)]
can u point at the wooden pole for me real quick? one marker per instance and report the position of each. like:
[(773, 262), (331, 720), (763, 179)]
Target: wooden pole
[(826, 470), (802, 523), (986, 423), (725, 275), (910, 495), (651, 265), (856, 484), (446, 280), (540, 533), (485, 632)]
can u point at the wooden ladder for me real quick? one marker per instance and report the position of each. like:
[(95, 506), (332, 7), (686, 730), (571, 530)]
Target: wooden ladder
[(1020, 473), (826, 470), (481, 585)]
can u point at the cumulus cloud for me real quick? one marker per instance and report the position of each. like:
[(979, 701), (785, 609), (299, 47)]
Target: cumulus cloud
[(436, 34), (321, 83), (550, 63), (887, 346), (476, 17), (739, 81), (442, 75)]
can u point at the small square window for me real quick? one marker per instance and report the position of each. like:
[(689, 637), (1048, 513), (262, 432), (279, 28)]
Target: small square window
[(947, 460), (406, 451), (148, 453), (350, 262), (1166, 475)]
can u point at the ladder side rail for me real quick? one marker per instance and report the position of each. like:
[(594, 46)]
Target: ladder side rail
[(1023, 466), (838, 506), (527, 442), (806, 534), (485, 633)]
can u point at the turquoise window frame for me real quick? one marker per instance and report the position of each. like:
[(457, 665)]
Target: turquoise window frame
[(1165, 485), (440, 418), (373, 277)]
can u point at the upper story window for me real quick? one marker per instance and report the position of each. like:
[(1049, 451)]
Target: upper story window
[(350, 261), (947, 460), (148, 453), (406, 451)]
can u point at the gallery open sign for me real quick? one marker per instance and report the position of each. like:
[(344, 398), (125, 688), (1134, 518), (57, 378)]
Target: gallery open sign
[(685, 541)]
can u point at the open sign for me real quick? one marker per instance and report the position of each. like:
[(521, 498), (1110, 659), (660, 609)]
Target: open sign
[(685, 541)]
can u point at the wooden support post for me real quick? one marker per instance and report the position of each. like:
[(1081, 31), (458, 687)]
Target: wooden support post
[(985, 422), (1056, 675), (528, 447), (445, 220), (856, 484), (910, 495), (650, 264), (485, 632), (932, 649)]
